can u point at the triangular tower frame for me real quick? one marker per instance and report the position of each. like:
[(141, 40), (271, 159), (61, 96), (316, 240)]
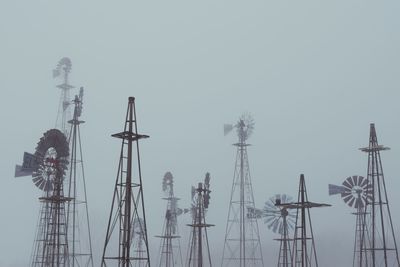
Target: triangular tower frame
[(128, 200), (380, 246)]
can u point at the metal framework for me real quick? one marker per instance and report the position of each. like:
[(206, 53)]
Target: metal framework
[(51, 243), (199, 250), (355, 192), (285, 253), (63, 69), (242, 246), (79, 235), (303, 253), (170, 247), (128, 201), (378, 235), (280, 220)]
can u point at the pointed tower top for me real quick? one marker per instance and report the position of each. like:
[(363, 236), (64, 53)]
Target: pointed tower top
[(373, 141)]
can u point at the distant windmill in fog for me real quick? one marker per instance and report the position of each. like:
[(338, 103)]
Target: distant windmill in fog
[(170, 247), (242, 246), (280, 220), (355, 192), (199, 250)]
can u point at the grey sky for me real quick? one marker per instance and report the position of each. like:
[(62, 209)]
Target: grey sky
[(314, 74)]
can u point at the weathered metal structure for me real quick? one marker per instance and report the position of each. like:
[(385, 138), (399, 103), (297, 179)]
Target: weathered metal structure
[(199, 250), (378, 240), (170, 247), (242, 246), (62, 236), (128, 202), (355, 192), (303, 252), (79, 235), (280, 220)]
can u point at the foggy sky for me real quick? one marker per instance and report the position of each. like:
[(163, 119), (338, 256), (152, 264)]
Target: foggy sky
[(313, 75)]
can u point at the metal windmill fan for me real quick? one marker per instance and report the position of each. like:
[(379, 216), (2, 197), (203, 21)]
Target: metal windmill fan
[(51, 157), (244, 127), (207, 190), (355, 191), (168, 183), (275, 216), (64, 65)]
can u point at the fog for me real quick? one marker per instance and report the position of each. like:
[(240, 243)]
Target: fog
[(313, 74)]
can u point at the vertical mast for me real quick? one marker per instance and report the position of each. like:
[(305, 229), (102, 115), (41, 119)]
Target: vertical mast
[(79, 233), (128, 201), (170, 249), (381, 248), (242, 246), (199, 250), (304, 252)]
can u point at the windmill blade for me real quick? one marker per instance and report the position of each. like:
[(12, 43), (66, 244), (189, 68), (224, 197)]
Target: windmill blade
[(348, 183), (355, 180), (227, 128), (336, 189), (19, 172)]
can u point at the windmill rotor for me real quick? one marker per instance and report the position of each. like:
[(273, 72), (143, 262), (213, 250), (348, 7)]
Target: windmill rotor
[(168, 183), (79, 102), (207, 190), (244, 127), (357, 191), (275, 215), (51, 157), (63, 66)]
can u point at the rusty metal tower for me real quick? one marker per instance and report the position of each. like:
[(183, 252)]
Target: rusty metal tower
[(242, 246), (50, 163), (303, 253), (378, 235), (79, 235), (199, 250), (170, 248), (127, 202)]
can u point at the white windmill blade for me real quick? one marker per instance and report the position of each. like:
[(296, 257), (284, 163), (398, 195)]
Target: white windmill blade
[(227, 128)]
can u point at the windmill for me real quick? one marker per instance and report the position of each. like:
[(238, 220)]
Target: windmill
[(355, 192), (279, 220), (199, 250), (137, 237), (51, 162), (242, 246), (128, 200), (304, 250), (48, 169), (63, 69), (79, 234), (378, 241), (170, 248)]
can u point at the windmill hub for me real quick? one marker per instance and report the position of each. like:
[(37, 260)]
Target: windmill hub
[(284, 212)]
